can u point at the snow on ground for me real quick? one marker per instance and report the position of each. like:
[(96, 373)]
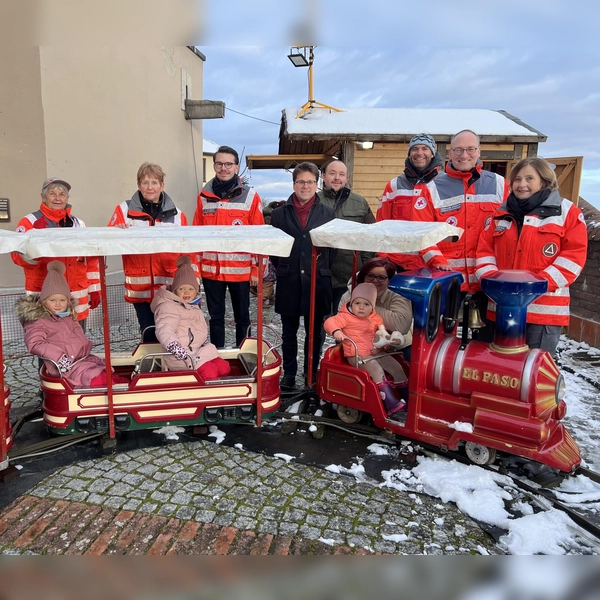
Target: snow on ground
[(216, 433), (170, 431), (483, 496)]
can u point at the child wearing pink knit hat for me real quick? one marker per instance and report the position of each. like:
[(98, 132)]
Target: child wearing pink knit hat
[(181, 328), (358, 321), (53, 333)]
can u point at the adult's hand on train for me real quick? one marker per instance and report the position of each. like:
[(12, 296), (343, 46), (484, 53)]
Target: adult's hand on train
[(444, 267), (94, 300)]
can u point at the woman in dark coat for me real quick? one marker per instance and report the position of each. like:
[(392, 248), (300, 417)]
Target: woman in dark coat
[(302, 212)]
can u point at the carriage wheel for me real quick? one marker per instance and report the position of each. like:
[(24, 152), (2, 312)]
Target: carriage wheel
[(348, 415), (480, 455)]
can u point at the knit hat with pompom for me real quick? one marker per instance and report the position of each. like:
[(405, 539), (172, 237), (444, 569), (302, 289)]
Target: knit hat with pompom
[(55, 283), (185, 274)]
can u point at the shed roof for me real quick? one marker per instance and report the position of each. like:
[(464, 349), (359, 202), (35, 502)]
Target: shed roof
[(400, 124)]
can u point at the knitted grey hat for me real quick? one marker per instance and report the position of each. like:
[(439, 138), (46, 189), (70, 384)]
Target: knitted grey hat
[(422, 138)]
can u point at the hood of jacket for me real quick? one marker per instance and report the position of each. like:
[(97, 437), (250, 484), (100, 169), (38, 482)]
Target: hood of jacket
[(30, 309), (163, 295)]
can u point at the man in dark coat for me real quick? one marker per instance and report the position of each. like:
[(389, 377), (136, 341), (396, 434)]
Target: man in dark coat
[(302, 212)]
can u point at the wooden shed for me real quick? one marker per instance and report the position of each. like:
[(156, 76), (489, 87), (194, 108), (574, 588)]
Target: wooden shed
[(373, 142)]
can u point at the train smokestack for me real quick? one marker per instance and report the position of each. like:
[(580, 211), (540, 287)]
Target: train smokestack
[(512, 291)]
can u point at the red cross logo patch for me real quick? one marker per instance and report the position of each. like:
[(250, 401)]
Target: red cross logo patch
[(420, 203), (550, 249)]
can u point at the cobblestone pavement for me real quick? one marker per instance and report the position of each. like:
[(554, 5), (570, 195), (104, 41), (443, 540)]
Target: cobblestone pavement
[(200, 497)]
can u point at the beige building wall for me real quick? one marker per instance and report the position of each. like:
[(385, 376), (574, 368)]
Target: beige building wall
[(92, 117)]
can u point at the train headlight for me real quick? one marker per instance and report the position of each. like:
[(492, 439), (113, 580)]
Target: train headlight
[(561, 388)]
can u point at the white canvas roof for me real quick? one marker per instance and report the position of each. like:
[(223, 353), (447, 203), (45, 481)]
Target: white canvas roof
[(385, 236), (113, 241), (382, 121)]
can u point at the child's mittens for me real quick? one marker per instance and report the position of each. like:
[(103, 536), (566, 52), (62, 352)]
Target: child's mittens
[(64, 364), (396, 339), (177, 350)]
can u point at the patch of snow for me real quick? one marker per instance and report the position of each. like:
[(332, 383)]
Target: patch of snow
[(379, 449), (217, 434), (460, 426), (285, 457), (327, 541), (398, 537), (170, 431)]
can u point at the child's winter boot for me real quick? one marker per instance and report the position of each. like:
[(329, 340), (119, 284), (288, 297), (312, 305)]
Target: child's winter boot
[(390, 401)]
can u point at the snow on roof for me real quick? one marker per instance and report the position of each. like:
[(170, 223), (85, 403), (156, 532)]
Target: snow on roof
[(209, 147), (381, 121)]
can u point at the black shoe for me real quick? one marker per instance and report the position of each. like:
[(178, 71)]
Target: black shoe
[(288, 382)]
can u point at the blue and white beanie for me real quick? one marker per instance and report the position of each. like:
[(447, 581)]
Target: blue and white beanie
[(422, 138)]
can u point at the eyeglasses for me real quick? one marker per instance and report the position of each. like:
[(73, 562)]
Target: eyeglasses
[(371, 277), (303, 183), (470, 151), (220, 165)]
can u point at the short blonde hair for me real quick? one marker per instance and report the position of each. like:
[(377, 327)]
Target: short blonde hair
[(150, 169), (543, 169)]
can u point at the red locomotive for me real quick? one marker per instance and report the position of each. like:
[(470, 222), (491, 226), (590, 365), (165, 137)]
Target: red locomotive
[(499, 396)]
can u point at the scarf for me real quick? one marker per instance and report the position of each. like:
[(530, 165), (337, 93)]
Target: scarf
[(425, 175), (519, 209), (303, 210), (222, 189), (152, 208)]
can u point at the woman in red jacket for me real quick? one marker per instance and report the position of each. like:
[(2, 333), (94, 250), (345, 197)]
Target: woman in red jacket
[(537, 230)]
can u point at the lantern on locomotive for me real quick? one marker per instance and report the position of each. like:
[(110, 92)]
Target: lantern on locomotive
[(500, 396)]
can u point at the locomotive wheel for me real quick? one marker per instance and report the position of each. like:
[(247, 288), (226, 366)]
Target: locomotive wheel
[(348, 415), (480, 455)]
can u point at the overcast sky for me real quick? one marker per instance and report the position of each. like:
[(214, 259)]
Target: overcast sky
[(547, 74)]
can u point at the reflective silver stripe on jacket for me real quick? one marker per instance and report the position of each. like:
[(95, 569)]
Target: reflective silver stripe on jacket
[(137, 280), (132, 294)]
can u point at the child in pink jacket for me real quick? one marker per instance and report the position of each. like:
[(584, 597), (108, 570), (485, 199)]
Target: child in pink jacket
[(181, 328), (52, 332), (358, 321)]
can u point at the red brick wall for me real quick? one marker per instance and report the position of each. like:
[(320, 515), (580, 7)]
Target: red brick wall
[(585, 292)]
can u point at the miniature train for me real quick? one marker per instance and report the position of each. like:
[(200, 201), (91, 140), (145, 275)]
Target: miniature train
[(500, 396)]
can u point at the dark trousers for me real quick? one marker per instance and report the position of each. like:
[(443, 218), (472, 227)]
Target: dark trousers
[(239, 291), (289, 348), (337, 296), (145, 318), (545, 337)]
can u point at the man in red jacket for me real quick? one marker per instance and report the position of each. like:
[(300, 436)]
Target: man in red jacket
[(225, 200), (465, 196), (422, 164)]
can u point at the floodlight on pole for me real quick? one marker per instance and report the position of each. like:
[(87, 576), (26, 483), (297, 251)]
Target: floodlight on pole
[(298, 58)]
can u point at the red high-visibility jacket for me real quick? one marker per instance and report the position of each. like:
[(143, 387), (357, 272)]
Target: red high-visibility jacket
[(82, 272), (554, 247), (145, 273), (242, 207), (464, 199)]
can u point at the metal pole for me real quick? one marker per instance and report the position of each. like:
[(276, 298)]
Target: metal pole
[(109, 384), (259, 339)]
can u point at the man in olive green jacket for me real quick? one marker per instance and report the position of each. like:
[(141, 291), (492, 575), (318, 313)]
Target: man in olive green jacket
[(351, 207)]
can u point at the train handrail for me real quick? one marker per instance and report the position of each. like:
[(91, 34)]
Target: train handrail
[(274, 346), (60, 373), (360, 360)]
